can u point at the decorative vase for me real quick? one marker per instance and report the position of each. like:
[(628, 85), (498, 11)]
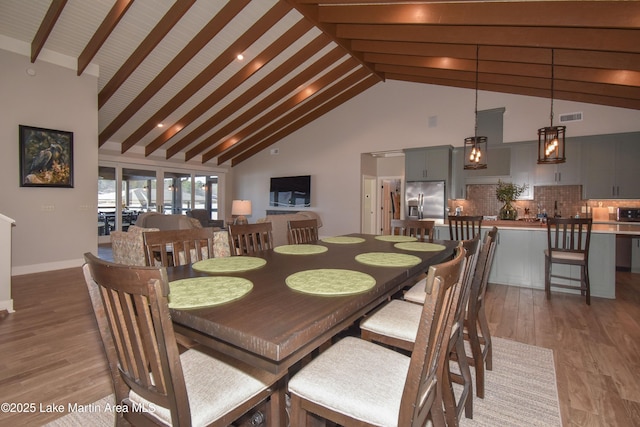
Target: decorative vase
[(508, 212)]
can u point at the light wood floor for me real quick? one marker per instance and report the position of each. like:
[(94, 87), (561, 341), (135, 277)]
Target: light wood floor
[(50, 352)]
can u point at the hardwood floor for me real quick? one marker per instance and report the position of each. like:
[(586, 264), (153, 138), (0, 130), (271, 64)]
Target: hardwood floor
[(50, 351)]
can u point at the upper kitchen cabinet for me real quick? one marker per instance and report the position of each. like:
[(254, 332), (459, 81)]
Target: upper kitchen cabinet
[(567, 173), (523, 162), (428, 164), (610, 166)]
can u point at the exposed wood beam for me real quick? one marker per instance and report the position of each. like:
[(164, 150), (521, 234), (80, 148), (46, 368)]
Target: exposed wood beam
[(276, 13), (162, 28), (309, 91), (560, 38), (204, 36), (291, 124), (102, 33), (263, 58), (599, 14), (301, 79), (46, 26), (311, 13), (247, 98)]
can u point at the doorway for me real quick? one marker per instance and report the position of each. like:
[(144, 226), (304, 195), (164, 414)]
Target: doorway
[(390, 202)]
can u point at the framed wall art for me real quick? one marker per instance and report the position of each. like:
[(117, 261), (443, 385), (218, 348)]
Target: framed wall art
[(46, 157)]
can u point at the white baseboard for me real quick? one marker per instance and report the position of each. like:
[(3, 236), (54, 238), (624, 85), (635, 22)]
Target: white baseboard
[(49, 266), (7, 305)]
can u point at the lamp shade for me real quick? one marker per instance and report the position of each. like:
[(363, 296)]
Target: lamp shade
[(241, 207)]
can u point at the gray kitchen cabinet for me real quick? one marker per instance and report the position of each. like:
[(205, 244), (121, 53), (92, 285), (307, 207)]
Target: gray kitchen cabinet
[(428, 164), (567, 173), (458, 189), (609, 166), (523, 163), (635, 255)]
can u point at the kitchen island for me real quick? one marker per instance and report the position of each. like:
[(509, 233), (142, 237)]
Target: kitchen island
[(519, 258)]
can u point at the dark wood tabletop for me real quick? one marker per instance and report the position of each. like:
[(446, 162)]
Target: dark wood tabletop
[(273, 326)]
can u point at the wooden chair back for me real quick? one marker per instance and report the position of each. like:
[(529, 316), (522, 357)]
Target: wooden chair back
[(420, 229), (464, 227), (179, 247), (130, 305), (420, 395), (570, 236), (302, 231), (250, 239), (483, 268)]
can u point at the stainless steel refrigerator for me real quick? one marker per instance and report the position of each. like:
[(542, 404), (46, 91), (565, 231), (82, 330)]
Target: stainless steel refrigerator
[(425, 200)]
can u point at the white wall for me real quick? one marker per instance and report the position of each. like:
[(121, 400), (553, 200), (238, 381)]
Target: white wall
[(53, 98), (395, 115)]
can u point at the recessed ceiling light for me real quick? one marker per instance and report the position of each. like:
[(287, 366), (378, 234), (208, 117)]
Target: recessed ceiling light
[(160, 125), (240, 57)]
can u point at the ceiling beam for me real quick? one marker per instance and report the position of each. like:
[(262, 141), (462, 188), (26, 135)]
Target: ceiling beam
[(204, 36), (162, 28), (46, 26), (102, 33)]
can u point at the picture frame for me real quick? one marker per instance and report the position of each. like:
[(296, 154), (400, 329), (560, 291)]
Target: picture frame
[(46, 157)]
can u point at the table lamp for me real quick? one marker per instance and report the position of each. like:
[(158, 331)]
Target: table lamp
[(239, 209)]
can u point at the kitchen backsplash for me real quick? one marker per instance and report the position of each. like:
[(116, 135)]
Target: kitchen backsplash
[(481, 200)]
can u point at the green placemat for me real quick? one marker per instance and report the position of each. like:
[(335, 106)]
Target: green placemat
[(229, 264), (388, 259), (301, 249), (343, 239), (419, 246), (330, 281), (394, 238), (206, 291)]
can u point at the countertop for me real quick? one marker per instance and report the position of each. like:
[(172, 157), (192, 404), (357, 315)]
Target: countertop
[(611, 227)]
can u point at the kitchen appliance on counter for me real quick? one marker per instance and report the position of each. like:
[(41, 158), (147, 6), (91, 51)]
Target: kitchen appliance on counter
[(628, 215), (426, 200)]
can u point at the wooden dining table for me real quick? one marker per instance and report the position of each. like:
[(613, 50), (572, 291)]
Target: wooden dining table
[(273, 327)]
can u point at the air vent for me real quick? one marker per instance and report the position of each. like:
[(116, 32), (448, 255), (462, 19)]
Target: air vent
[(571, 117)]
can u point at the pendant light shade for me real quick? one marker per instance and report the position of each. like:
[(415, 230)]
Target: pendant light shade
[(551, 142), (475, 147)]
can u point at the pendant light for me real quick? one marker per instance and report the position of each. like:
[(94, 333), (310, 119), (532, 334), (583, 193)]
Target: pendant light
[(551, 139), (475, 147)]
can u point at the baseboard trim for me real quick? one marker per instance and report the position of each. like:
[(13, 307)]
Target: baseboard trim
[(49, 266)]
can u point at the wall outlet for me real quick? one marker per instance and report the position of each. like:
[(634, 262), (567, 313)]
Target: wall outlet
[(612, 210)]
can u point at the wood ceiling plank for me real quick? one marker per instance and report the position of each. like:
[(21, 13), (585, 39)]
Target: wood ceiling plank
[(415, 48), (161, 29), (600, 14), (305, 93), (204, 36), (597, 39), (293, 125), (252, 67), (259, 28), (102, 33), (286, 88), (46, 26)]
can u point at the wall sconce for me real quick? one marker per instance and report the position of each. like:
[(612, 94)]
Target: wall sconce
[(475, 147), (551, 139), (239, 209)]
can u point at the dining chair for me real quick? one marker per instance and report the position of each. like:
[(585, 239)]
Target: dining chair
[(396, 324), (171, 248), (302, 231), (197, 387), (464, 227), (250, 239), (476, 326), (357, 382), (568, 242), (418, 228)]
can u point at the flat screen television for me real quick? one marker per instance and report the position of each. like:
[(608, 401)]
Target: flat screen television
[(290, 191)]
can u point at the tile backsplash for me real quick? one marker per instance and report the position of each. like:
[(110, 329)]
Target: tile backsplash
[(481, 200)]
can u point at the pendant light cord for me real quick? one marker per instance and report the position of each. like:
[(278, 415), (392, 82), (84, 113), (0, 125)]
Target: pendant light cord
[(552, 78), (475, 133)]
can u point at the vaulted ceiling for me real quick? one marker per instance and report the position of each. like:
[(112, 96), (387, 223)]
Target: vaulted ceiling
[(175, 63)]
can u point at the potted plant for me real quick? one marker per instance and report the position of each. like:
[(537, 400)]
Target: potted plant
[(507, 192)]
